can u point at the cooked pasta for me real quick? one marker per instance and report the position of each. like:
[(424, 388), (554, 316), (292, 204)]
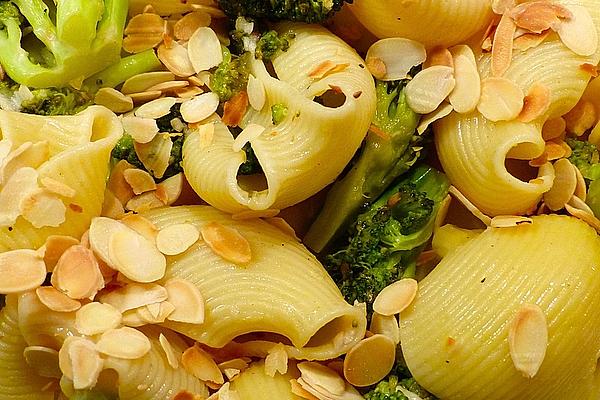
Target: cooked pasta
[(254, 383)]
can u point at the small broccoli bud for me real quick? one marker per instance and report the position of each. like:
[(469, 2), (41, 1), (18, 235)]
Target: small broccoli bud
[(270, 43), (55, 101), (585, 156), (310, 11), (230, 77), (278, 113), (9, 12)]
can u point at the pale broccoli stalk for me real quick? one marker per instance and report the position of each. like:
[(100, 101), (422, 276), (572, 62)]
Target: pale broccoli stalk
[(86, 39)]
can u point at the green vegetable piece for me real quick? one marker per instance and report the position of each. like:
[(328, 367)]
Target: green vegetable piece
[(585, 156), (54, 101), (85, 39), (230, 77), (389, 151), (593, 197), (279, 112), (271, 43), (293, 10)]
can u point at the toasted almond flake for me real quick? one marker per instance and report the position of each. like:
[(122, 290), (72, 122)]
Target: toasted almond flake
[(577, 202), (204, 50), (126, 343), (212, 9), (135, 256), (502, 45), (369, 361), (553, 128), (465, 95), (206, 133), (155, 313), (27, 155), (385, 325), (57, 187), (55, 246), (144, 202), (184, 395), (85, 363), (529, 41), (581, 118), (234, 109), (21, 184), (250, 132), (155, 154), (177, 238), (141, 82), (501, 6), (139, 180), (439, 56), (117, 183), (143, 97), (392, 58), (156, 108), (470, 206), (580, 188), (77, 273), (276, 360), (443, 110), (170, 86), (113, 100), (236, 363), (538, 16), (142, 130), (298, 390), (141, 225), (200, 107), (187, 299), (169, 352), (176, 59), (509, 221), (428, 89), (43, 208), (171, 188), (501, 99), (185, 27), (320, 377), (95, 318), (583, 215), (43, 360), (55, 300), (565, 182), (554, 150), (143, 24), (101, 229), (327, 67), (134, 295), (226, 242), (528, 339), (112, 207), (188, 92), (396, 297), (590, 69), (64, 360), (200, 364), (535, 103), (256, 93), (578, 32)]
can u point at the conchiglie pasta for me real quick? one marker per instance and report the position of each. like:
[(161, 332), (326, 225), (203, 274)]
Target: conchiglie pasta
[(455, 335), (473, 150), (254, 383), (282, 294), (309, 148), (79, 151), (431, 22)]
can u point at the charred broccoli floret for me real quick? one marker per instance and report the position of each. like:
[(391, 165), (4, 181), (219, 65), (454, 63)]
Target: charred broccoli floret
[(310, 11), (53, 101)]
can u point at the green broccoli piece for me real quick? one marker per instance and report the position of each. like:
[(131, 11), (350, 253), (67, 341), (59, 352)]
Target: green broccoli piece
[(85, 39), (310, 11), (386, 239), (251, 166), (53, 101), (391, 147), (271, 43), (230, 77), (585, 156), (278, 113), (389, 387)]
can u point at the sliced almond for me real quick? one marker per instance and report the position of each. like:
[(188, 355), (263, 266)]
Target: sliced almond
[(529, 41), (77, 273), (187, 299), (101, 229), (554, 150), (299, 391), (200, 364), (553, 128), (144, 202), (85, 363), (141, 225), (156, 108), (43, 208), (257, 95), (538, 16), (20, 185), (142, 130), (200, 107), (578, 32), (234, 109), (470, 206), (114, 100), (321, 377), (155, 154), (502, 46), (528, 339), (428, 89), (117, 183), (396, 297), (465, 95), (155, 313), (327, 67), (564, 185), (185, 27), (27, 155), (509, 221), (171, 188), (148, 25), (392, 59), (95, 318), (250, 132), (54, 247), (581, 118), (112, 207), (535, 103), (169, 352), (141, 82), (204, 49), (501, 99), (501, 6), (126, 343), (439, 56), (188, 92), (426, 120), (583, 215), (139, 180), (55, 300), (140, 43), (386, 325), (175, 58), (43, 360), (177, 238), (226, 242), (276, 360), (168, 87), (134, 295), (370, 360), (57, 187), (146, 96), (135, 256), (580, 188)]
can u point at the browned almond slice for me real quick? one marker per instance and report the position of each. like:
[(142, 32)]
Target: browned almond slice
[(143, 24), (172, 358), (135, 256), (234, 109), (529, 40), (79, 361), (370, 360), (250, 132), (502, 46), (187, 299), (185, 27), (200, 107), (55, 246), (112, 207), (155, 154), (321, 377), (171, 188), (177, 238), (141, 225), (55, 300), (126, 343), (578, 32), (554, 150), (535, 103), (298, 390), (581, 188), (95, 318), (176, 59), (581, 118), (204, 49), (156, 108), (43, 208), (395, 298), (141, 82), (392, 58), (465, 95), (144, 202), (538, 16), (143, 97), (200, 364), (101, 229), (134, 295), (501, 6), (528, 339), (21, 270), (428, 89), (470, 206), (117, 184), (171, 86), (443, 110), (583, 215), (142, 130), (188, 92), (114, 100), (509, 221), (139, 180), (563, 188), (235, 363), (501, 99), (77, 273), (155, 313), (553, 128), (27, 155), (226, 242), (43, 360), (326, 68), (139, 43), (276, 360), (439, 56), (256, 93), (57, 187), (21, 184), (385, 325)]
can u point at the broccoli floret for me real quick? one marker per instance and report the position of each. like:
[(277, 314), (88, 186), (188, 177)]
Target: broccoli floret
[(251, 166), (278, 113), (391, 147), (270, 43), (389, 388), (85, 39), (585, 156), (230, 77), (310, 11), (386, 239), (55, 101)]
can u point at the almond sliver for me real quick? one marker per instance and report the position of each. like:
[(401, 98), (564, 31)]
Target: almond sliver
[(501, 99), (426, 120), (396, 297), (579, 32), (428, 89), (502, 46), (43, 208), (398, 56), (535, 103), (200, 107), (185, 27), (465, 95), (77, 273), (134, 295), (204, 49), (126, 343), (56, 300), (175, 57), (528, 339), (156, 108), (563, 187), (177, 238), (139, 180), (95, 318), (141, 82), (135, 256), (200, 364), (155, 154), (55, 246), (226, 242), (187, 299), (169, 352), (321, 377), (256, 93), (57, 187), (142, 130), (21, 270)]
